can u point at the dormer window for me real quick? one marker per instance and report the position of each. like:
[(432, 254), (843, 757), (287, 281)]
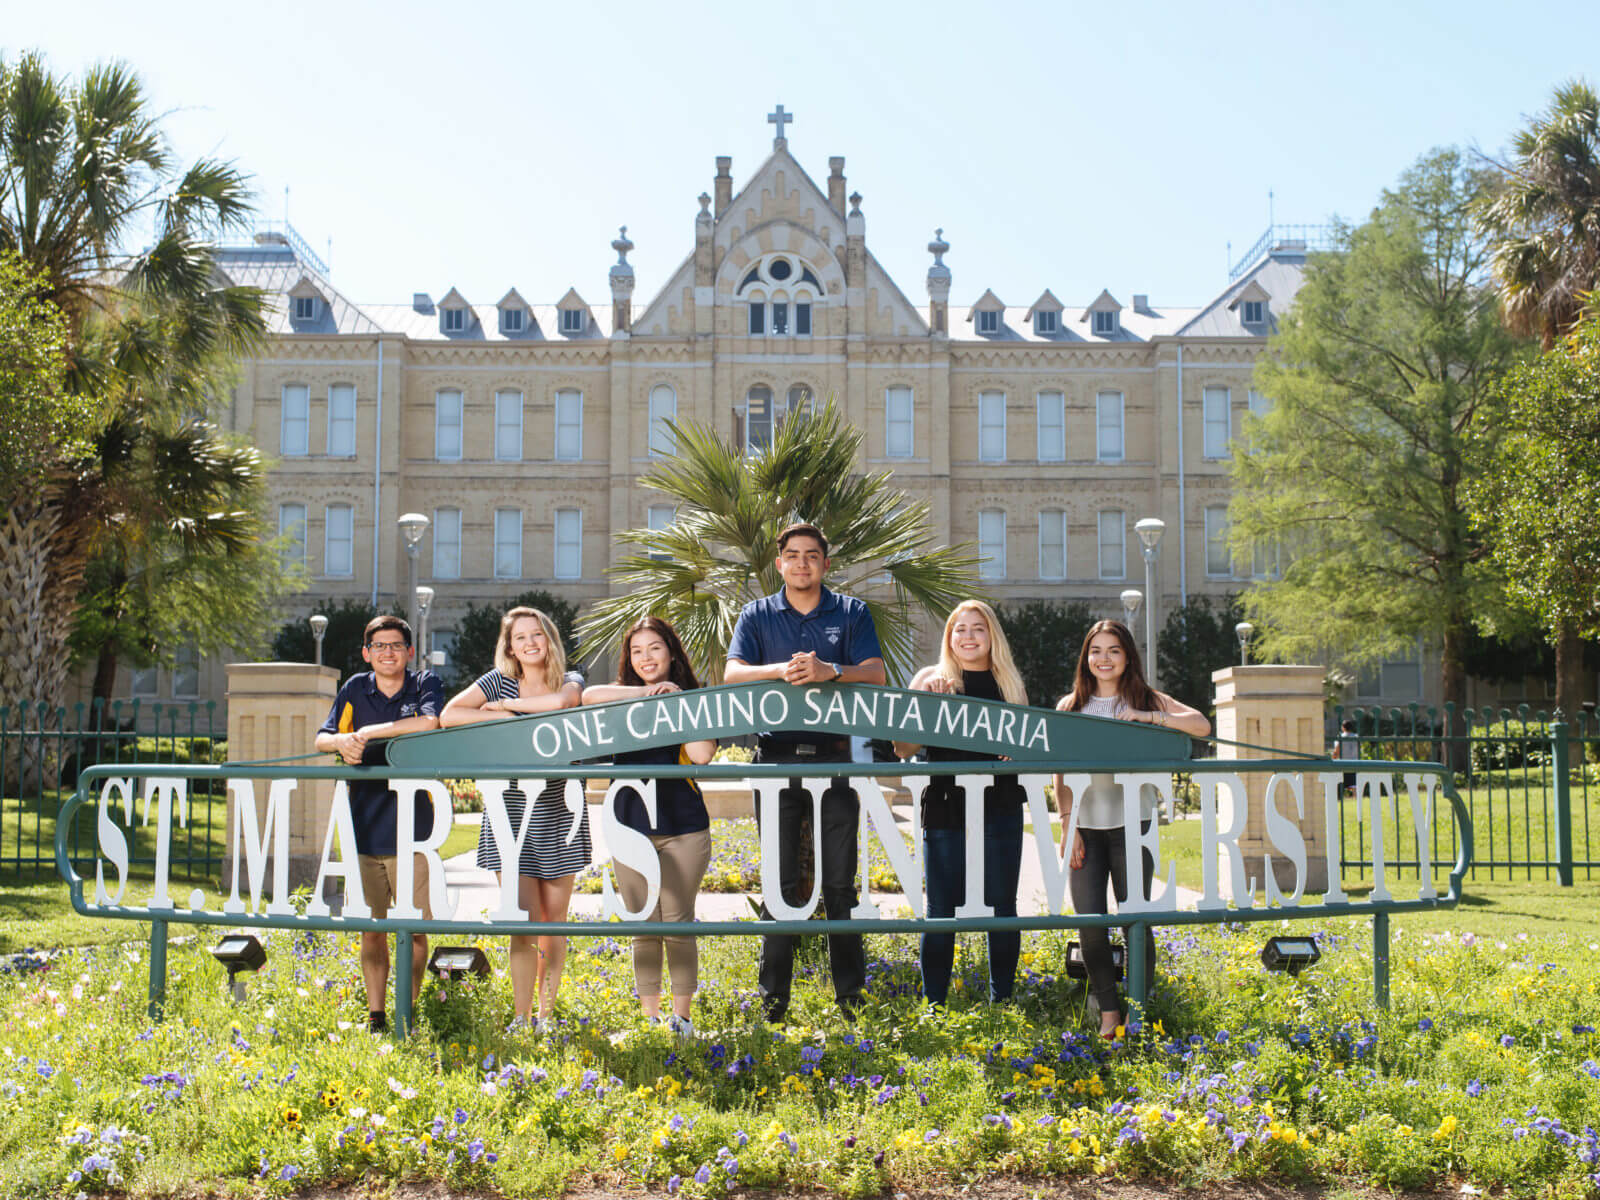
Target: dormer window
[(453, 320), (511, 320), (1255, 312), (1046, 321), (573, 320), (988, 321), (1105, 323), (306, 308)]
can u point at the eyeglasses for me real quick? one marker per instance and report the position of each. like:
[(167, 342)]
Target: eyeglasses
[(387, 647)]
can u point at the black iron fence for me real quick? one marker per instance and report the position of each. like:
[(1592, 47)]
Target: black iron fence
[(43, 749), (1530, 780)]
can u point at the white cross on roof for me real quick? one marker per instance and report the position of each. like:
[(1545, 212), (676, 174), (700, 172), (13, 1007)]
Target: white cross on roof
[(780, 119)]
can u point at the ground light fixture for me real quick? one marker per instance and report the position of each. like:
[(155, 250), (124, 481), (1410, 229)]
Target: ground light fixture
[(457, 962), (1076, 968), (239, 952), (1242, 631), (1289, 953), (319, 628)]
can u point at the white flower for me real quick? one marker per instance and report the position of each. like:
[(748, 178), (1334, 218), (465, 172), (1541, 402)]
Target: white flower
[(489, 1088), (378, 1119), (357, 1113)]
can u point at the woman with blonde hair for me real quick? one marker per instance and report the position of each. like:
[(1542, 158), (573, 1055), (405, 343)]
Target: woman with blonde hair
[(530, 676), (974, 660), (1110, 682)]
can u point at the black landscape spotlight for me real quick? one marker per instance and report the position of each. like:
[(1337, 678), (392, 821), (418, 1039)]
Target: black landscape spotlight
[(239, 952), (1289, 953), (456, 962), (1075, 965)]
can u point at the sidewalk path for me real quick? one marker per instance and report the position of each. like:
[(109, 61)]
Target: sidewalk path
[(479, 892)]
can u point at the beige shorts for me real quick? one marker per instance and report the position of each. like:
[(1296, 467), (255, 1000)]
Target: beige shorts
[(380, 876)]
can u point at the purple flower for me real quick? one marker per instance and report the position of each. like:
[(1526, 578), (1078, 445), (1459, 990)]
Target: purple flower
[(474, 1149), (931, 1136), (289, 1171), (1474, 1088), (461, 1116), (703, 1175), (1425, 1024), (731, 1166), (877, 1159), (674, 1184), (1507, 1041)]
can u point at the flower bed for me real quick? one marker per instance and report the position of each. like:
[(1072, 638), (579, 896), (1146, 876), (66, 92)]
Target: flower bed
[(1484, 1072)]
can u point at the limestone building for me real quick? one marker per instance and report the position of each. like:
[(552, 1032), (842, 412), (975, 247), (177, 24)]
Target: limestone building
[(1038, 430)]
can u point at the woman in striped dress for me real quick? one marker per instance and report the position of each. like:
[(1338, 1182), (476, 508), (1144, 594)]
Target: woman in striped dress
[(530, 676)]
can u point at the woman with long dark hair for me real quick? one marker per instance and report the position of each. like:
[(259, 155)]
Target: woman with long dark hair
[(974, 660), (654, 663), (1110, 682)]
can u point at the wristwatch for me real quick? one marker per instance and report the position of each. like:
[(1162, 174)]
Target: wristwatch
[(837, 673)]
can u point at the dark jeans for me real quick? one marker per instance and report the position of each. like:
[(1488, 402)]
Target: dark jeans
[(945, 863), (1105, 860), (837, 837)]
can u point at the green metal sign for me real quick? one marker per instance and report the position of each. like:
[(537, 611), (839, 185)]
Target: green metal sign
[(1033, 735)]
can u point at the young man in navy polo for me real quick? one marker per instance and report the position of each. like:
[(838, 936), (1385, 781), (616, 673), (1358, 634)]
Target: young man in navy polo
[(385, 702), (804, 634)]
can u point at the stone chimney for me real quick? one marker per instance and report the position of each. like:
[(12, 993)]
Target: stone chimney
[(836, 183), (723, 186), (1141, 302), (703, 264), (939, 286), (622, 285)]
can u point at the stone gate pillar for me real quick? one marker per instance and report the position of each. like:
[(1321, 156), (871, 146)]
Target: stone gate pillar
[(274, 710), (1280, 707)]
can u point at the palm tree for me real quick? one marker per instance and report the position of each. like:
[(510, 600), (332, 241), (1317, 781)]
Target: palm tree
[(719, 553), (1544, 219), (84, 171)]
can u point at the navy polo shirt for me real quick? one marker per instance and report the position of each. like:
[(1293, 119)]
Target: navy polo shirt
[(838, 630), (373, 804)]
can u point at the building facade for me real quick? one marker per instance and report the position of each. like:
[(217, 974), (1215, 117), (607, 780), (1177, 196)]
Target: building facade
[(1037, 431)]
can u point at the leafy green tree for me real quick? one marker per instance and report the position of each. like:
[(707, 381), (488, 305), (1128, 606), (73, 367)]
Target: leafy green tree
[(1540, 510), (479, 629), (719, 553), (1377, 373), (1045, 639), (1543, 218), (84, 171), (1195, 640)]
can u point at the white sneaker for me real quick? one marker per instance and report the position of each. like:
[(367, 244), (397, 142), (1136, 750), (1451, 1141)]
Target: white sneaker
[(682, 1026)]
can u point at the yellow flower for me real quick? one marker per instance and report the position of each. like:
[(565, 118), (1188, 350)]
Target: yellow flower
[(1446, 1127), (291, 1116), (620, 1153), (1074, 1147)]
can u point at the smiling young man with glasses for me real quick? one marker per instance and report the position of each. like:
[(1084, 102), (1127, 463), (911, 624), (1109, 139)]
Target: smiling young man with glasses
[(382, 703)]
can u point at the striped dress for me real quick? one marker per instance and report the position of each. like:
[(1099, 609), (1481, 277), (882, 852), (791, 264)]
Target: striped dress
[(553, 848)]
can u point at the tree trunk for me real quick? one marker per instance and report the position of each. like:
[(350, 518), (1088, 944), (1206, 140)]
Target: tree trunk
[(37, 584), (1569, 679), (105, 676), (1453, 687)]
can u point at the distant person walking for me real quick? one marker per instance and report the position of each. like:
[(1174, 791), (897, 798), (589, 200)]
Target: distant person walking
[(1348, 749)]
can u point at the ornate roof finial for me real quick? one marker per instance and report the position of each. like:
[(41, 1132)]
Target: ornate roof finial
[(705, 204), (855, 204), (780, 119), (622, 245), (938, 247)]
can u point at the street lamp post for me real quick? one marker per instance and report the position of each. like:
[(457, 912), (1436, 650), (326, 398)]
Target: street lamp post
[(1242, 631), (1131, 599), (424, 603), (412, 525), (319, 626), (1150, 530)]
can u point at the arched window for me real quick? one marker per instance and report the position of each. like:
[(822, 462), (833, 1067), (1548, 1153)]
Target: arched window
[(781, 312), (663, 408)]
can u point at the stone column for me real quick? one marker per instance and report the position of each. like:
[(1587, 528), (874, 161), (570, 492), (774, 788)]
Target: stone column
[(274, 710), (1279, 707)]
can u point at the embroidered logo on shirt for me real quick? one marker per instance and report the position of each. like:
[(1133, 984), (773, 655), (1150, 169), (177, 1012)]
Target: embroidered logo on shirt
[(833, 632)]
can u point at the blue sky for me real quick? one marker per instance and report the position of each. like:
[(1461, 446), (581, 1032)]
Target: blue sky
[(1070, 146)]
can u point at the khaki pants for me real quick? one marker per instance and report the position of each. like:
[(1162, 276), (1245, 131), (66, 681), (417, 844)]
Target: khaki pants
[(380, 876), (684, 858)]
